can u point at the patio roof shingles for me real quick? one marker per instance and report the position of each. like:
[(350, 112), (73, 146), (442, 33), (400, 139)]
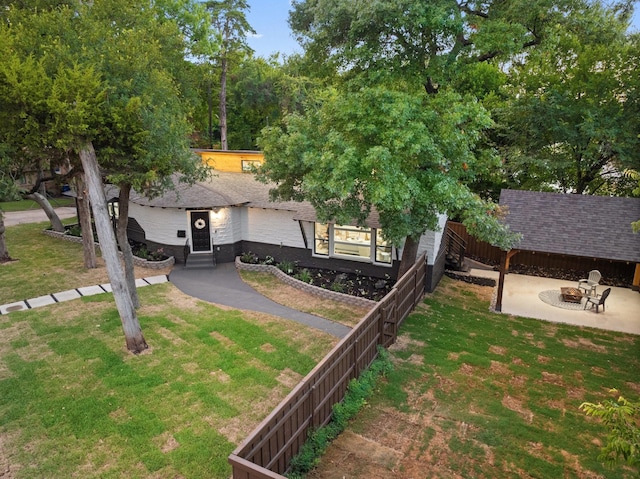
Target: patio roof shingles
[(577, 225)]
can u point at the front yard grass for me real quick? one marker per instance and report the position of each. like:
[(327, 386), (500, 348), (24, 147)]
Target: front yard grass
[(477, 394), (75, 403), (46, 265)]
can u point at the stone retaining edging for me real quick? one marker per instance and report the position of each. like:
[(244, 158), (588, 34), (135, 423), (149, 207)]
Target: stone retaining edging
[(143, 263), (306, 287)]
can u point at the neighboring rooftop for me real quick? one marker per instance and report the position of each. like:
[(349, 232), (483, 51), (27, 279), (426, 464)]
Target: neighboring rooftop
[(577, 225)]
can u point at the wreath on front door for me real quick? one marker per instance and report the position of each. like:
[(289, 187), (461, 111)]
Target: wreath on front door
[(199, 223)]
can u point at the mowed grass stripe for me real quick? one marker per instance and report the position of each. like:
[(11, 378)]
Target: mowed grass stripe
[(490, 395), (73, 401)]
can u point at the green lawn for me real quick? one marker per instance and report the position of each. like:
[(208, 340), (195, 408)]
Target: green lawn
[(476, 394), (75, 403), (44, 265)]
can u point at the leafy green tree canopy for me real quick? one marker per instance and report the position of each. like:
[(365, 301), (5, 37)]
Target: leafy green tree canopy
[(573, 116), (404, 155)]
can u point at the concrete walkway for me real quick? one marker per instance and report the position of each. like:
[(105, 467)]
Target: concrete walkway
[(74, 294), (224, 286)]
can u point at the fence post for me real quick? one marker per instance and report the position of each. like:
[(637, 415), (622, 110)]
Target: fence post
[(354, 360), (312, 405)]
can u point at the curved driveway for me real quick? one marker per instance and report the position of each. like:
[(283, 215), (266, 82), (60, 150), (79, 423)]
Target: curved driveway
[(224, 286)]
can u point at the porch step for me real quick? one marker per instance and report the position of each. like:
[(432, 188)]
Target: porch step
[(453, 263), (200, 260)]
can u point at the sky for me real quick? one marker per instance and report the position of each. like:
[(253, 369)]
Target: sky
[(269, 19)]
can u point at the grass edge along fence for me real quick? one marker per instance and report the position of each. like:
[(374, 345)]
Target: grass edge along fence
[(266, 453)]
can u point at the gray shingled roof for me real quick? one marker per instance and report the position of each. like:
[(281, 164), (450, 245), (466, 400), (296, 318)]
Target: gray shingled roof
[(577, 225), (230, 189)]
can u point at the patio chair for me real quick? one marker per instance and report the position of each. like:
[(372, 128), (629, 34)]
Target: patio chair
[(591, 283), (597, 301)]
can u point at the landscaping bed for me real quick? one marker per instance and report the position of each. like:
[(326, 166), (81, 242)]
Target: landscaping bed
[(352, 284), (556, 273)]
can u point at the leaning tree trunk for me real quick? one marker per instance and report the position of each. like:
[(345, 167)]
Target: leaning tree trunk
[(4, 252), (130, 324), (409, 253), (223, 104), (56, 224), (123, 241), (84, 217)]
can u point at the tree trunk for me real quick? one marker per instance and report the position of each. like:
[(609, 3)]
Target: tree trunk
[(56, 224), (84, 217), (223, 104), (409, 253), (210, 112), (130, 325), (4, 252), (123, 241)]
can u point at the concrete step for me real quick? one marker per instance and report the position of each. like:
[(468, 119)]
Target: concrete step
[(200, 260)]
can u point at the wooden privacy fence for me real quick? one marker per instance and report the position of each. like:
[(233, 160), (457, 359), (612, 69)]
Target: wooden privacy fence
[(266, 453)]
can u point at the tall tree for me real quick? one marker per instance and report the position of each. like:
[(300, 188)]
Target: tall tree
[(572, 122), (348, 154), (402, 65), (4, 251), (145, 138), (107, 78), (229, 20), (25, 123), (84, 217)]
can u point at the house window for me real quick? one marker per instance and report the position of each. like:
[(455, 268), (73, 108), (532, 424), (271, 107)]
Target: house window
[(249, 165), (322, 239), (114, 210), (383, 249), (353, 242)]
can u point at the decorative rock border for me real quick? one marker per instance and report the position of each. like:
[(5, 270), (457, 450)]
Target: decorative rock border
[(143, 263), (467, 278), (306, 287)]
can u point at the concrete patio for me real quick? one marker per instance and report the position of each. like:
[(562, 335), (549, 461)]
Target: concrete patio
[(520, 298)]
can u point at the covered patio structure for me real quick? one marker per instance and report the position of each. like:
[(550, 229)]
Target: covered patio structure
[(594, 227), (521, 297)]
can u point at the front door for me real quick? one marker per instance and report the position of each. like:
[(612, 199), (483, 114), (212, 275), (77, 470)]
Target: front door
[(200, 232)]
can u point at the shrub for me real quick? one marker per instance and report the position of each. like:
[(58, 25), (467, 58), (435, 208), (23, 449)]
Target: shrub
[(269, 260), (249, 258), (74, 230), (621, 418), (304, 276), (286, 267)]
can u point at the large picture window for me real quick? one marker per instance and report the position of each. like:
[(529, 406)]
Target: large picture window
[(352, 242)]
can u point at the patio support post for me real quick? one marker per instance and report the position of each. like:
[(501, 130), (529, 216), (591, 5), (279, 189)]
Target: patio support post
[(636, 278), (504, 267)]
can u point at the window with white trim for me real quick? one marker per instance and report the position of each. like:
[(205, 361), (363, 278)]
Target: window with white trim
[(351, 242), (321, 239)]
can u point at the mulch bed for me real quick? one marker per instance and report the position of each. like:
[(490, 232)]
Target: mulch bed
[(556, 273), (350, 283)]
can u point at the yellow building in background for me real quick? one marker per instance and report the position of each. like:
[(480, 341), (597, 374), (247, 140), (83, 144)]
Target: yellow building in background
[(231, 161)]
